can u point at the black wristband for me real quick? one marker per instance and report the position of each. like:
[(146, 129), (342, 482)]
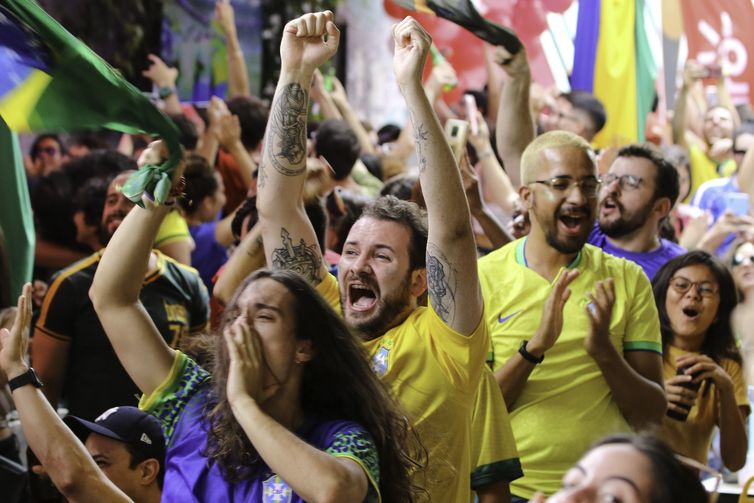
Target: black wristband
[(528, 356)]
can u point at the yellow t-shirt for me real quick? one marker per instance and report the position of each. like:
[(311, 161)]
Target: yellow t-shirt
[(172, 229), (704, 169), (434, 372), (692, 438), (493, 448), (566, 403)]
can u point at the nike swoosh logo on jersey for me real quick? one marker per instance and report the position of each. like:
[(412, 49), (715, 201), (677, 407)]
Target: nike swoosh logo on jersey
[(503, 319)]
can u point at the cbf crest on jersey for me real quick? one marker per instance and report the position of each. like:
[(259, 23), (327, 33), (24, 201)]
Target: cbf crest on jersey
[(379, 361), (276, 490)]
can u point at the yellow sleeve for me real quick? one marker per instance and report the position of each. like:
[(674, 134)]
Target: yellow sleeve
[(643, 330), (173, 228), (462, 357), (328, 289), (494, 456), (740, 390)]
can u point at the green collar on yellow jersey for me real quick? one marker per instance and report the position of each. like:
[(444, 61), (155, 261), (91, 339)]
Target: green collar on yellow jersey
[(521, 256)]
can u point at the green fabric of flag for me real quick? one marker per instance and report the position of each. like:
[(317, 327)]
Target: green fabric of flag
[(16, 218), (646, 73), (52, 81)]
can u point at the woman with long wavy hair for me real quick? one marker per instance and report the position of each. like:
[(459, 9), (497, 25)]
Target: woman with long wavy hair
[(291, 409), (695, 296)]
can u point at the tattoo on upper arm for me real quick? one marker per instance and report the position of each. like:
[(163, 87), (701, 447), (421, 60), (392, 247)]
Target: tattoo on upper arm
[(442, 283), (300, 258), (420, 138), (286, 133)]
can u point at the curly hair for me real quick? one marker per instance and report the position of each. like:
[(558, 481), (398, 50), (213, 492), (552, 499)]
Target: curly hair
[(719, 342), (336, 384)]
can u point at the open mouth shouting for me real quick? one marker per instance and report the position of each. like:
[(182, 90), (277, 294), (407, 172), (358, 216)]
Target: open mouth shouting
[(691, 313), (361, 297), (609, 206), (574, 222)]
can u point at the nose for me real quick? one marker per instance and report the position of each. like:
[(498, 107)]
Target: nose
[(693, 292), (577, 195), (361, 264)]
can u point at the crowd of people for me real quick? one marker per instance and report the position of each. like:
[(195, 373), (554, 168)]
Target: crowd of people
[(324, 310)]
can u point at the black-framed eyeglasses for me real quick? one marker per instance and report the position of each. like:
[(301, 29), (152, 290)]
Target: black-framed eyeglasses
[(739, 259), (683, 285), (589, 185), (626, 182)]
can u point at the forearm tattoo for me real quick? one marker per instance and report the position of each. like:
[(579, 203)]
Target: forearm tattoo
[(420, 138), (442, 283), (286, 133), (300, 258)]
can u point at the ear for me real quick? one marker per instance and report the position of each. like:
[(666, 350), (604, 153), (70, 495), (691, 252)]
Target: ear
[(663, 206), (418, 282), (527, 196), (304, 351), (148, 471)]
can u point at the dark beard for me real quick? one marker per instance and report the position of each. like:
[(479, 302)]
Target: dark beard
[(565, 248), (624, 226), (389, 309)]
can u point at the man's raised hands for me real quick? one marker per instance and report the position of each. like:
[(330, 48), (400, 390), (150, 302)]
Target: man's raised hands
[(411, 47), (308, 41)]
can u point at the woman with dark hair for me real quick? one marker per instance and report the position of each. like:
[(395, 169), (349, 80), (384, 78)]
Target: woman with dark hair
[(629, 469), (695, 296), (291, 411)]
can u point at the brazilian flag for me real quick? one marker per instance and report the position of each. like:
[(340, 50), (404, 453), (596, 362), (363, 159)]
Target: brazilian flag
[(51, 81)]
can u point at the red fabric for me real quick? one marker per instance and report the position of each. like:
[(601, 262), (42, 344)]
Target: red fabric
[(235, 188), (722, 29)]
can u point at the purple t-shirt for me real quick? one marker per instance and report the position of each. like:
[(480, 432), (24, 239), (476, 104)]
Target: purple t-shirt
[(651, 261), (208, 255), (190, 477)]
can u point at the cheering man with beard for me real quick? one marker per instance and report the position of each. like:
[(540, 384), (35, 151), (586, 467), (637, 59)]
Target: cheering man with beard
[(575, 334), (71, 353), (431, 357), (637, 193)]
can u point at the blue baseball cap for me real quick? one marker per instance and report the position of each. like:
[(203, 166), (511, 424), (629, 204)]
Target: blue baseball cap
[(127, 424)]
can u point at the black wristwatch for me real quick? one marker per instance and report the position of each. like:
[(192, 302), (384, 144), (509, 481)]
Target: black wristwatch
[(528, 356), (165, 91), (28, 377)]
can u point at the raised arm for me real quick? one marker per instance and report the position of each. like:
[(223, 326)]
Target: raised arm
[(238, 78), (692, 72), (115, 295), (515, 125), (452, 278), (64, 457), (341, 101), (164, 77), (289, 239)]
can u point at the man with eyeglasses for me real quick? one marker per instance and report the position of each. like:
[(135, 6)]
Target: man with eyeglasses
[(637, 193), (575, 332)]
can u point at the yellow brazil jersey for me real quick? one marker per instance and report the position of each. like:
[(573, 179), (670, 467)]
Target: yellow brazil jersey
[(693, 437), (172, 229), (566, 403), (434, 372), (704, 169), (493, 448)]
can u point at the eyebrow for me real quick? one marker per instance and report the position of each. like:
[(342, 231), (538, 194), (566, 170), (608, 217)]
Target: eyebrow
[(262, 305), (379, 246), (615, 477)]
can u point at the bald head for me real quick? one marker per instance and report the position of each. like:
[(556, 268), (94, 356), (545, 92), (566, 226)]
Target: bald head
[(532, 158)]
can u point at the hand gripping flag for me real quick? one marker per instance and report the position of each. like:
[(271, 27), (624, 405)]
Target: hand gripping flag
[(463, 13), (50, 80)]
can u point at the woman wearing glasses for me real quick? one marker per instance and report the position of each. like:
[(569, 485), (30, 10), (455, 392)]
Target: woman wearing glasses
[(695, 296)]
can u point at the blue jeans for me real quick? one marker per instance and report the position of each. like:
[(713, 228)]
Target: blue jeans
[(516, 499)]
